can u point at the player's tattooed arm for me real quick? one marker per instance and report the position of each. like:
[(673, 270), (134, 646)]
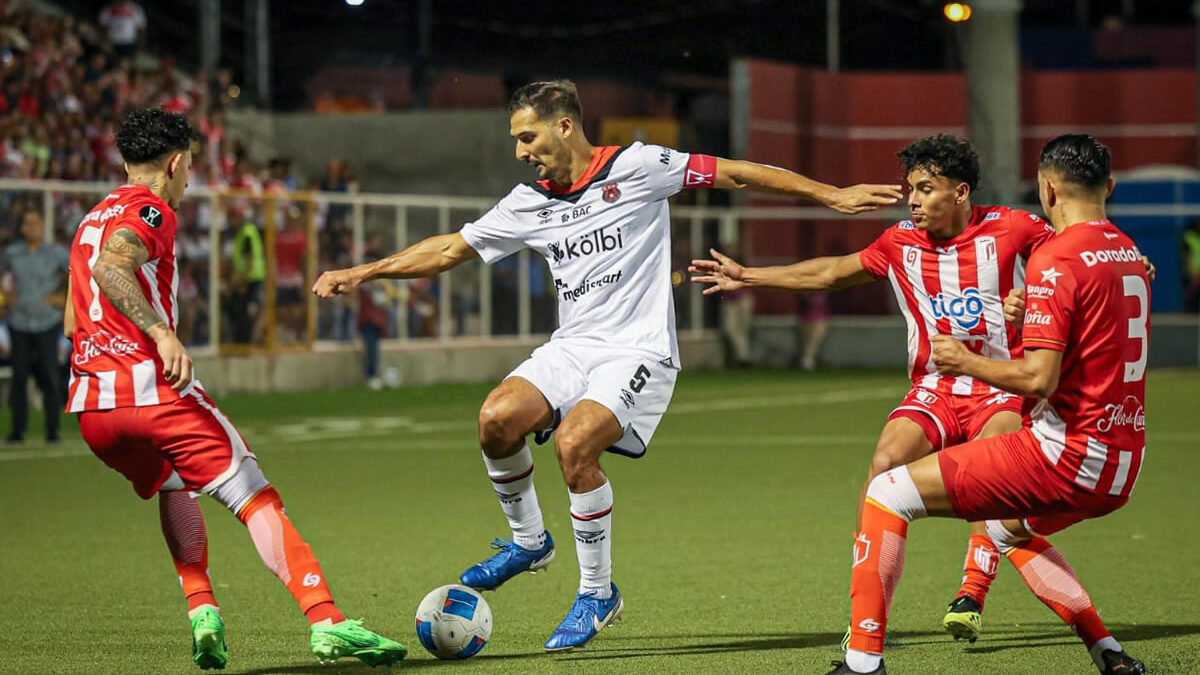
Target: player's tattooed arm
[(115, 273)]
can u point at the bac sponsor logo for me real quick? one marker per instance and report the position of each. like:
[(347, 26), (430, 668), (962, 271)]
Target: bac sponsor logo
[(102, 342), (1127, 413), (966, 311), (585, 286), (1037, 318), (596, 241), (1110, 255)]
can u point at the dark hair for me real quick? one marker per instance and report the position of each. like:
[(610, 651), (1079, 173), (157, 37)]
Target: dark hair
[(1078, 159), (152, 133), (943, 155), (548, 99)]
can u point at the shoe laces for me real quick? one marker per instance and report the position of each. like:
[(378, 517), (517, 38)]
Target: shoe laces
[(580, 610)]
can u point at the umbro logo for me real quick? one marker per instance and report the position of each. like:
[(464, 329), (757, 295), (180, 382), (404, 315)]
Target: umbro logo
[(545, 213), (589, 536)]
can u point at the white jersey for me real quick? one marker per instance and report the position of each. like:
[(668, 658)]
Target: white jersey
[(607, 241)]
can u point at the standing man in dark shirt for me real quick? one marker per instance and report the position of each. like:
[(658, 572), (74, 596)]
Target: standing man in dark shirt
[(39, 272)]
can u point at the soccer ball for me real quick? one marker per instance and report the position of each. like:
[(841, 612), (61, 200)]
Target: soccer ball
[(454, 622)]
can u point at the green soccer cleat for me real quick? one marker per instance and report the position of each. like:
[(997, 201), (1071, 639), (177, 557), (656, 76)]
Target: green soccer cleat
[(330, 642), (209, 650), (964, 619)]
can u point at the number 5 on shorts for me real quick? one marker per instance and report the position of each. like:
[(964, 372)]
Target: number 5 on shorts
[(639, 379)]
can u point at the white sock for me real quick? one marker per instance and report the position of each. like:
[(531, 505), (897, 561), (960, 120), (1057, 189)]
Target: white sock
[(1109, 643), (591, 517), (862, 662), (512, 477)]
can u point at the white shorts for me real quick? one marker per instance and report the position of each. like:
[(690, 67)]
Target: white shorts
[(636, 386)]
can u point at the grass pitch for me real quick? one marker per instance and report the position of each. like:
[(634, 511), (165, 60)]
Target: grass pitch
[(731, 542)]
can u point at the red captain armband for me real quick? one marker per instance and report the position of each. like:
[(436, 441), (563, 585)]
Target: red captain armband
[(701, 171)]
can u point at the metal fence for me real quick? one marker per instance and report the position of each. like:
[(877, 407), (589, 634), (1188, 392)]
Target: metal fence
[(247, 262)]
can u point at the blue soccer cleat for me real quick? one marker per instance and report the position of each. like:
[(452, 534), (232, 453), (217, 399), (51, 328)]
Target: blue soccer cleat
[(588, 616), (509, 561)]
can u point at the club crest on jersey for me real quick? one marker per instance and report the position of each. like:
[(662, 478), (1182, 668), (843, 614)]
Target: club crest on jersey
[(151, 216), (966, 311), (611, 193)]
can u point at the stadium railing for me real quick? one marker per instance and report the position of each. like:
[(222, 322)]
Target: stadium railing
[(247, 262)]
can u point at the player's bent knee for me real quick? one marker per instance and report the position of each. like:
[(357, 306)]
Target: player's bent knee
[(496, 429), (895, 491), (1005, 539), (241, 487)]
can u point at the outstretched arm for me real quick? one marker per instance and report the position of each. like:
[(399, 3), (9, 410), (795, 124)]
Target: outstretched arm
[(423, 259), (817, 274), (115, 273), (742, 175)]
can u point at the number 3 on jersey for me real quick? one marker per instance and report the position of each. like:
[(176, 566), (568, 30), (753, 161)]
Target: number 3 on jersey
[(1135, 286), (91, 236)]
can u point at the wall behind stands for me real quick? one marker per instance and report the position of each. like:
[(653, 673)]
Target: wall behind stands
[(846, 128), (454, 152)]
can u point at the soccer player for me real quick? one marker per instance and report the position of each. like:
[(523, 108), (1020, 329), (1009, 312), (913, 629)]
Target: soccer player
[(950, 266), (1086, 337), (599, 217), (141, 412)]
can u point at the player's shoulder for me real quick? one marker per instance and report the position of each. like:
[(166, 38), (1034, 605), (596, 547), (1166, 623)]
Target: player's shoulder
[(1010, 215)]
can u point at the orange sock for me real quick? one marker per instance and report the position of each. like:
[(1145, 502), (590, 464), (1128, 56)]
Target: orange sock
[(286, 554), (878, 562), (979, 569), (1048, 574), (183, 528)]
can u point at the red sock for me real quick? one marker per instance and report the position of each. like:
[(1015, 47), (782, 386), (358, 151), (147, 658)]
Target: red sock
[(1048, 574), (878, 562), (286, 554), (183, 528), (979, 569)]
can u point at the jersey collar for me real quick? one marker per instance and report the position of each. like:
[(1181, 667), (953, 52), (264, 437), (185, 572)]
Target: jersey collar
[(597, 169)]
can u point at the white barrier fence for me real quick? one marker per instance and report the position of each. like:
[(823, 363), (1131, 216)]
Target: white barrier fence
[(248, 260)]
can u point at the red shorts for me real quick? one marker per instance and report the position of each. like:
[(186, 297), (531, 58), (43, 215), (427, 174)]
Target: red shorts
[(949, 419), (189, 437), (1007, 476)]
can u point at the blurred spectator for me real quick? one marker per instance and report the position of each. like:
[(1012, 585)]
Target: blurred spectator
[(373, 317), (249, 271), (1191, 266), (126, 25), (39, 272), (291, 254), (737, 310), (816, 326)]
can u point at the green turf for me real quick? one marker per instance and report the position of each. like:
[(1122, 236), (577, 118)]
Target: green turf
[(732, 541)]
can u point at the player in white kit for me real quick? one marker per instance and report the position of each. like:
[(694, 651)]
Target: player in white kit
[(599, 217)]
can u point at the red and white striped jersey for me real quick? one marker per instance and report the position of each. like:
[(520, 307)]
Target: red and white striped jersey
[(1088, 297), (113, 363), (957, 286)]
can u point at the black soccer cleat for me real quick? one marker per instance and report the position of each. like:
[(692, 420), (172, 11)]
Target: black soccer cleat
[(841, 668), (964, 619), (1120, 663)]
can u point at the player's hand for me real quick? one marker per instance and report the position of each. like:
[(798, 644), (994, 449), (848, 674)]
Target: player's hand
[(1151, 270), (724, 273), (949, 355), (177, 365), (1014, 307), (335, 282), (864, 197)]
